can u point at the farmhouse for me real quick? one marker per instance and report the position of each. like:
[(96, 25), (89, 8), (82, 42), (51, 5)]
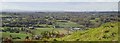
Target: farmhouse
[(75, 28)]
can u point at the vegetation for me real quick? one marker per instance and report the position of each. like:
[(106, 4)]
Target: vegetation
[(60, 26)]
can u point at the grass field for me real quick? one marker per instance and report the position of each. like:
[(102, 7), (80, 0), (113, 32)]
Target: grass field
[(67, 24), (21, 35), (37, 31), (40, 30)]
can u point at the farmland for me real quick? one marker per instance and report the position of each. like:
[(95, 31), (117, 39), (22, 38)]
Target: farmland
[(60, 26)]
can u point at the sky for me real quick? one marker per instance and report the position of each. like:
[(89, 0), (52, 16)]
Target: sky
[(63, 5), (60, 0)]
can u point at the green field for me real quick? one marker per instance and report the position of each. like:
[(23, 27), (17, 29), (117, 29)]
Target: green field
[(21, 35), (40, 30), (67, 24), (37, 31)]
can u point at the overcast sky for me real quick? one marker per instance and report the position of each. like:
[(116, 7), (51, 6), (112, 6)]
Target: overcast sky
[(60, 0), (57, 5)]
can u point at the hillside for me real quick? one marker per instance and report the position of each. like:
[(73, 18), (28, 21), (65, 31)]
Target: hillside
[(106, 32)]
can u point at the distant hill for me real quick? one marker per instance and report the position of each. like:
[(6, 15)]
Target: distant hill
[(14, 10), (18, 10)]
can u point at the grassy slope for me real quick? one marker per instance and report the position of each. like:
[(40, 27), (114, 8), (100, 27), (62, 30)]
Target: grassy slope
[(103, 33)]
